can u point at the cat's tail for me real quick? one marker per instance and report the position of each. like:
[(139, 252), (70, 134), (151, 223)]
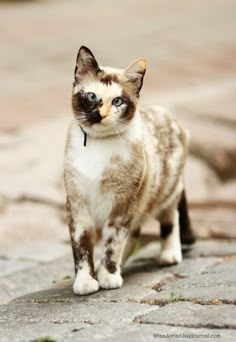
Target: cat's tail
[(186, 232)]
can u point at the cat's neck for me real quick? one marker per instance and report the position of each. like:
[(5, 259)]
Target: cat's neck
[(131, 131)]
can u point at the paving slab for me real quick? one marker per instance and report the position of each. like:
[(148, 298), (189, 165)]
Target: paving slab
[(193, 315), (204, 280), (201, 180), (65, 295), (214, 223), (149, 332), (211, 248), (193, 267), (205, 141), (200, 295), (38, 277), (41, 251), (25, 221), (38, 174), (201, 248), (31, 332), (228, 266), (11, 266)]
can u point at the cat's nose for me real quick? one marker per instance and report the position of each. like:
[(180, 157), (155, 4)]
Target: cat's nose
[(104, 112)]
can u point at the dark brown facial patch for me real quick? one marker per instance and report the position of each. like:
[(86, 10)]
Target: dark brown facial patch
[(166, 230), (129, 112), (87, 111)]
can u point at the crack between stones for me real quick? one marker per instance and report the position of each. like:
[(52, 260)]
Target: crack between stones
[(24, 198), (164, 302), (198, 326)]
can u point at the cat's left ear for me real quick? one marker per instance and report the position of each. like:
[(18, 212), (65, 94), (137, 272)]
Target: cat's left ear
[(85, 64), (134, 74)]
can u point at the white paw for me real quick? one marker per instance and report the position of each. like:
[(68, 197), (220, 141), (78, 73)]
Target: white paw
[(170, 257), (85, 284), (109, 280)]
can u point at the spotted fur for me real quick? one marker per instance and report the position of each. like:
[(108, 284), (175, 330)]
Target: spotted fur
[(131, 169)]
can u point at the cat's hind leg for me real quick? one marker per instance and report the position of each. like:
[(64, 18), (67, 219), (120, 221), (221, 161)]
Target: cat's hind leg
[(170, 238), (186, 233)]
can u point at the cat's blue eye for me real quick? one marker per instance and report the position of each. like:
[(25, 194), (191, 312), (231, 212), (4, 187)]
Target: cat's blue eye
[(91, 97), (117, 101)]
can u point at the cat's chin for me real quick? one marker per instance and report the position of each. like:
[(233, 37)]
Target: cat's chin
[(101, 131)]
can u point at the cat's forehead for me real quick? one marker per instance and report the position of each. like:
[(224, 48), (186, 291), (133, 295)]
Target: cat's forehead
[(110, 70), (105, 86), (103, 90)]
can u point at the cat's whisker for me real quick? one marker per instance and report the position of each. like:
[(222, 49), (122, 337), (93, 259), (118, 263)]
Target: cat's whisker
[(117, 132)]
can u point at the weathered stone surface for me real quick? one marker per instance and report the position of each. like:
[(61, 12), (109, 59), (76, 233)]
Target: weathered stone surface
[(227, 266), (205, 141), (109, 333), (213, 101), (211, 248), (41, 251), (80, 312), (35, 278), (190, 267), (152, 280), (214, 223), (204, 280), (227, 192), (10, 266), (65, 295), (201, 295), (27, 221), (193, 315), (186, 58), (147, 256), (148, 333), (34, 166), (17, 332), (200, 180)]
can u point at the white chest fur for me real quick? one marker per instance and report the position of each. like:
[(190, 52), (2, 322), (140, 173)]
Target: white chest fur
[(89, 162)]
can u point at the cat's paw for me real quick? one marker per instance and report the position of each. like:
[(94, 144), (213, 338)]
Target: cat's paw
[(109, 280), (170, 257), (85, 284)]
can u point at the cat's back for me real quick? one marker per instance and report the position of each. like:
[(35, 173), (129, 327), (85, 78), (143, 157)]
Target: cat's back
[(166, 145), (164, 131)]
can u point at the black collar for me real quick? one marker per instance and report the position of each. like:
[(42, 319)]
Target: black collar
[(85, 136)]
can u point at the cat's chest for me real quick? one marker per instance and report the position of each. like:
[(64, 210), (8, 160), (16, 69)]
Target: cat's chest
[(91, 161), (89, 164)]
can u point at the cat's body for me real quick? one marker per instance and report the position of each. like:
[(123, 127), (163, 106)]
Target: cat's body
[(123, 165)]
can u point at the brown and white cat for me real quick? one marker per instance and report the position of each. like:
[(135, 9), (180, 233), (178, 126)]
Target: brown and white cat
[(123, 165)]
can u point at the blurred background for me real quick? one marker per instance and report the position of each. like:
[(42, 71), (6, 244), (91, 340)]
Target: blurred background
[(191, 51)]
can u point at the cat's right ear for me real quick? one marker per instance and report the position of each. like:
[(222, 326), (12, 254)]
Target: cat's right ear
[(85, 64)]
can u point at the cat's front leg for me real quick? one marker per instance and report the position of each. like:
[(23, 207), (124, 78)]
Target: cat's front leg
[(109, 269), (82, 240)]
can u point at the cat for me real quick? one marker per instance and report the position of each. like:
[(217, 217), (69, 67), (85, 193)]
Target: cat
[(123, 165)]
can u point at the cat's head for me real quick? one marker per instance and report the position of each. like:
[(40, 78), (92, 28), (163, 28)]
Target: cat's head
[(104, 99)]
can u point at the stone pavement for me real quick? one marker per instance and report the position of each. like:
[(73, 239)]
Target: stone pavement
[(197, 297), (191, 49)]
